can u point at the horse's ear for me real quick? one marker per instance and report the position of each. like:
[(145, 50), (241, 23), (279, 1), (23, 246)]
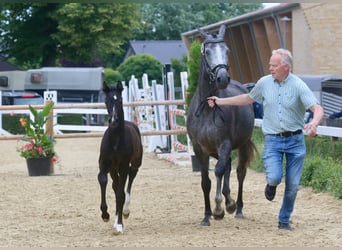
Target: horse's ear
[(204, 35), (105, 88), (119, 86), (222, 31)]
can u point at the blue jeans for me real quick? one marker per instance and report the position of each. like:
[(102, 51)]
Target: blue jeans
[(294, 150)]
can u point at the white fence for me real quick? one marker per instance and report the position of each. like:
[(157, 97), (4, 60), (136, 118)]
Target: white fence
[(148, 107)]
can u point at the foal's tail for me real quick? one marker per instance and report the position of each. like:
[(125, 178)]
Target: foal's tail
[(247, 153)]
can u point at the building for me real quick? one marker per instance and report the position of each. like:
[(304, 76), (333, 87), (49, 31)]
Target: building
[(310, 30), (6, 66), (163, 51)]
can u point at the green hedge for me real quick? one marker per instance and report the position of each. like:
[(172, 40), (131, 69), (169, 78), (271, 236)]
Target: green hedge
[(11, 122)]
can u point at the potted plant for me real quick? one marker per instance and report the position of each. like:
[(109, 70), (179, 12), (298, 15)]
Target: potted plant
[(37, 146)]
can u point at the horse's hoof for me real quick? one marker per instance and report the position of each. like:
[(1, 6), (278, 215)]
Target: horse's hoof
[(125, 212), (205, 223), (118, 229), (219, 216), (105, 217), (231, 207), (239, 216)]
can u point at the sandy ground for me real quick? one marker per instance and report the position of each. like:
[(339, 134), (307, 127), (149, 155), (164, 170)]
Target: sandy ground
[(166, 207)]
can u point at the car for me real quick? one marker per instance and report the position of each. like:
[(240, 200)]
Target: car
[(21, 98)]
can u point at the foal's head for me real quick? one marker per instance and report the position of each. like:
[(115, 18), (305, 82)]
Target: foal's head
[(114, 104), (215, 55)]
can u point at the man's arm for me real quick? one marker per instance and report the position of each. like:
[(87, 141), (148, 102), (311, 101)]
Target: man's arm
[(318, 114), (238, 100)]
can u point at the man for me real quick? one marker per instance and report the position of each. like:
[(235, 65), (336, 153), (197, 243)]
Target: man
[(285, 99)]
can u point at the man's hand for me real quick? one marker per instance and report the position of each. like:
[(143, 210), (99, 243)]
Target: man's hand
[(212, 101)]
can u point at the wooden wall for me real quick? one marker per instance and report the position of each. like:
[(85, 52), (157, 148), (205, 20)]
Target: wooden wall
[(251, 40)]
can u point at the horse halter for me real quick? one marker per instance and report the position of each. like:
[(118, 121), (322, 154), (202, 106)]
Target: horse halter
[(212, 72)]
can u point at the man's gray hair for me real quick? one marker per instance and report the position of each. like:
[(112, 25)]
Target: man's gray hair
[(286, 56)]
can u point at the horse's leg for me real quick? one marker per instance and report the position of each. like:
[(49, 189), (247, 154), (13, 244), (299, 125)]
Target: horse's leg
[(221, 164), (241, 174), (205, 184), (120, 198), (103, 180), (132, 173), (230, 203), (223, 168)]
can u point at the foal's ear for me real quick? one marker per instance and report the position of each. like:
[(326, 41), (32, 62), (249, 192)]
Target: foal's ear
[(119, 86), (105, 88)]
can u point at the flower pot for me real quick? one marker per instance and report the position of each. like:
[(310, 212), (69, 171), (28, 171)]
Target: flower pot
[(39, 166)]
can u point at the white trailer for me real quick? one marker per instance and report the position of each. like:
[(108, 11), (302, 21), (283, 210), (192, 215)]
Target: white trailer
[(72, 85)]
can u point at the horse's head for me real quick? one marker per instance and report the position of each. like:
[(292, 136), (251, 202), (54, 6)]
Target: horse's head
[(114, 104), (215, 55)]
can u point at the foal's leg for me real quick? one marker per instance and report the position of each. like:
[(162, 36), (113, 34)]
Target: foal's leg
[(120, 198), (102, 178), (115, 186), (132, 173)]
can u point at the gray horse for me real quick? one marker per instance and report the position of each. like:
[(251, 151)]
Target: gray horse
[(217, 131)]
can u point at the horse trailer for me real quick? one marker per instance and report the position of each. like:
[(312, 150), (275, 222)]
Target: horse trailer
[(73, 85)]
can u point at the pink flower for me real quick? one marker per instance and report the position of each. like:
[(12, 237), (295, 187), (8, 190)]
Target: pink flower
[(40, 151)]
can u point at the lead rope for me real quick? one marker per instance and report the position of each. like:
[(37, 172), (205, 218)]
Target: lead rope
[(216, 108)]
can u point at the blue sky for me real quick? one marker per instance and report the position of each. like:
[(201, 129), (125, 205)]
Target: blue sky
[(269, 4)]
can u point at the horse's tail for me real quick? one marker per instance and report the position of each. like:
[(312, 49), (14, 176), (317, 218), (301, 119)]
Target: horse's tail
[(247, 153)]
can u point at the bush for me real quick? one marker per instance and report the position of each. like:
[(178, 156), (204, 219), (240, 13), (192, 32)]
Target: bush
[(194, 69), (323, 175), (138, 65), (258, 140), (334, 185), (112, 76), (178, 66), (11, 123)]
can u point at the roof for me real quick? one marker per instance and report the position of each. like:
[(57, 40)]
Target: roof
[(161, 50), (6, 66), (245, 18)]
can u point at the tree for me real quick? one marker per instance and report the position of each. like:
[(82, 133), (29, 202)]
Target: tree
[(166, 21), (89, 30), (40, 34), (26, 33)]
